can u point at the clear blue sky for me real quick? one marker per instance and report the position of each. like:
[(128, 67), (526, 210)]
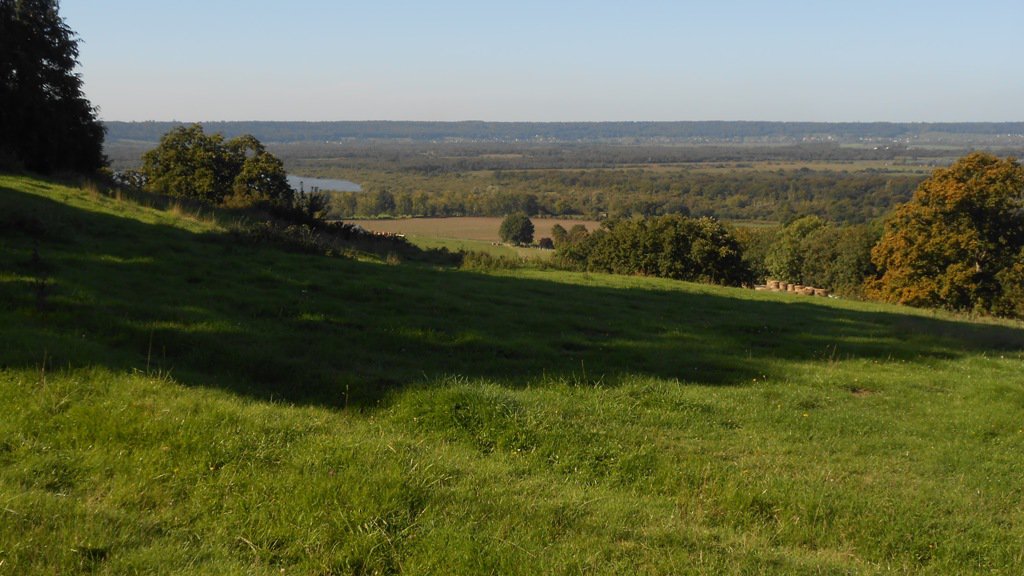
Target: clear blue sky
[(823, 60)]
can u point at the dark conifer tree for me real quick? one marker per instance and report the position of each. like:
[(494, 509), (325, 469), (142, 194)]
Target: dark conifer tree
[(46, 123)]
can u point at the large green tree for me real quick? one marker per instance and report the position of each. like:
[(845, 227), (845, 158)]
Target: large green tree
[(191, 163), (959, 242), (516, 228), (786, 257), (46, 123)]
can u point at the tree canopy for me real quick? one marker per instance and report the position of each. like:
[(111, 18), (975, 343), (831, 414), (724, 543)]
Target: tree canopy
[(46, 123), (679, 247), (516, 228), (191, 163), (959, 242)]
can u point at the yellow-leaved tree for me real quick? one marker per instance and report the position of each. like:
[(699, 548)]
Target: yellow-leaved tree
[(959, 242)]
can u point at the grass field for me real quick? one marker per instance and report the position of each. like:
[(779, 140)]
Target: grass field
[(176, 402)]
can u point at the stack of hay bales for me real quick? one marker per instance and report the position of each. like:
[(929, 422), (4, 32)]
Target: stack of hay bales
[(780, 286)]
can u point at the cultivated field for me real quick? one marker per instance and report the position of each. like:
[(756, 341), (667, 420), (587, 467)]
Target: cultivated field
[(484, 229)]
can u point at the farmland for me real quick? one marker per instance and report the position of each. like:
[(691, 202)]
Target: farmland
[(483, 229)]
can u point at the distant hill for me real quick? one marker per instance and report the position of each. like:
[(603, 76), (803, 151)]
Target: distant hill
[(682, 132)]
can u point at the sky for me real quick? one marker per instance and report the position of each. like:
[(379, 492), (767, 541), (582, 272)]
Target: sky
[(525, 60)]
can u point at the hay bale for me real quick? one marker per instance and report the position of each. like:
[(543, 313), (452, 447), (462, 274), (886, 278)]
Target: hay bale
[(773, 284), (821, 292)]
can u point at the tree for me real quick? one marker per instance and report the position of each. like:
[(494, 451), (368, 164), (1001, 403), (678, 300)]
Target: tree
[(517, 229), (695, 249), (957, 243), (785, 259), (262, 178), (577, 233), (46, 123), (559, 235), (191, 163)]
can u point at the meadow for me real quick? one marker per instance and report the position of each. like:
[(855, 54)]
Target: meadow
[(178, 398)]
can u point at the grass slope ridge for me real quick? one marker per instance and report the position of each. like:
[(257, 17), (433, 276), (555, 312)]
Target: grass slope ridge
[(177, 402)]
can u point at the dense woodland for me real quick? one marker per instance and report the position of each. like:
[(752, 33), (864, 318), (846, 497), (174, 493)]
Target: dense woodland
[(777, 196)]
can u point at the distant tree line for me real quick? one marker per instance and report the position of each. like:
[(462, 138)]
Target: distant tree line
[(440, 158), (737, 195), (699, 131)]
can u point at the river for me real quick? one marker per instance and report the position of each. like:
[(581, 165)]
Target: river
[(306, 183)]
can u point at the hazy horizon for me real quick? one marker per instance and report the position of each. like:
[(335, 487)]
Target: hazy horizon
[(735, 60)]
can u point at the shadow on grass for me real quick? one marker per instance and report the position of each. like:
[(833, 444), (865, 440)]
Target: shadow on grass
[(265, 323)]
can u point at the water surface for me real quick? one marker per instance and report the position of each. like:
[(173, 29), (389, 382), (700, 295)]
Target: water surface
[(306, 183)]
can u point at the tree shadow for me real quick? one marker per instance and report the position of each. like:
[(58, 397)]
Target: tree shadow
[(268, 324)]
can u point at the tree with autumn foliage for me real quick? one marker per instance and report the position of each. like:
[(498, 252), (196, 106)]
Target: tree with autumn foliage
[(959, 242)]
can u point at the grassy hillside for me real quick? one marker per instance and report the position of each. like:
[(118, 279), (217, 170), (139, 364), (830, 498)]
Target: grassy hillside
[(175, 401)]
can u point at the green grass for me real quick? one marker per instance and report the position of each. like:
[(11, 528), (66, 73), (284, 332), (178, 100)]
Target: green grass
[(174, 402), (494, 249)]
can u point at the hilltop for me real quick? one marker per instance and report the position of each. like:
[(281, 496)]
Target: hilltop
[(183, 397)]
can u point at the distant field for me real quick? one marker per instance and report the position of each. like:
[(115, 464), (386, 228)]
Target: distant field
[(480, 228)]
